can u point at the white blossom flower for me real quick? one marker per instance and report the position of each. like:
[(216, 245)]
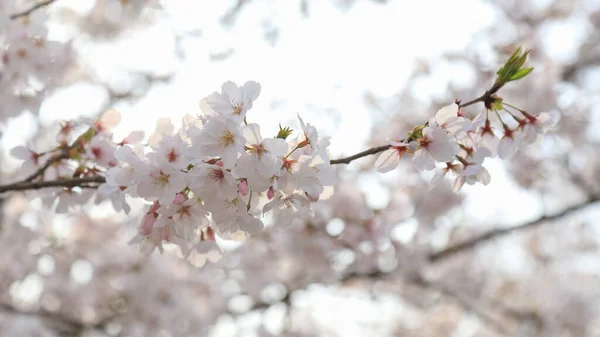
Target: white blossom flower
[(389, 159), (233, 101), (31, 159), (159, 184), (211, 181), (231, 216), (534, 126), (314, 174), (219, 138), (101, 149), (288, 206), (435, 145), (118, 184), (261, 160), (187, 217), (169, 153), (509, 143), (448, 119), (473, 173)]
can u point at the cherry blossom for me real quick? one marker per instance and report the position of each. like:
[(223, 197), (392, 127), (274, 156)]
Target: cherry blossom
[(389, 159), (435, 145), (233, 101)]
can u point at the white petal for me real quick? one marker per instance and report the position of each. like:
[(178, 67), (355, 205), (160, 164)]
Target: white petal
[(387, 161), (251, 90), (252, 134), (445, 113)]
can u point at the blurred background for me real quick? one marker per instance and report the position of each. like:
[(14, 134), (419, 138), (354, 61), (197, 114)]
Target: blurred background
[(384, 256)]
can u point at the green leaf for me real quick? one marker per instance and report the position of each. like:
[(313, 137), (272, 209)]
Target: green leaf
[(521, 73)]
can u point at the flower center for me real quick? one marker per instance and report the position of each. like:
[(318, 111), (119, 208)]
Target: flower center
[(216, 174), (259, 150), (172, 156), (226, 139), (161, 180), (237, 107)]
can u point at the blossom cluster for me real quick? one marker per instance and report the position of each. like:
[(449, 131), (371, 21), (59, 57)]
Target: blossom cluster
[(217, 175), (457, 144), (30, 63)]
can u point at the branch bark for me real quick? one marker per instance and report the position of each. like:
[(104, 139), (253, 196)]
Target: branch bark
[(26, 12), (496, 233), (86, 182), (56, 320)]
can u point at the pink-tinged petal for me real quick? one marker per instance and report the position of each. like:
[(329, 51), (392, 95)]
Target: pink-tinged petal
[(423, 161), (507, 147), (387, 160), (458, 183), (484, 176), (108, 120), (147, 224), (134, 137), (243, 187)]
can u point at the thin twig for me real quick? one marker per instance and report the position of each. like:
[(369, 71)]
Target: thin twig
[(86, 182), (64, 154), (495, 233), (495, 323), (378, 149), (365, 153), (57, 320), (37, 6)]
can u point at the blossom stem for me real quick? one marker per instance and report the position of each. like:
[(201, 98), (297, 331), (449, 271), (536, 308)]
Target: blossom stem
[(514, 107), (35, 7), (249, 201)]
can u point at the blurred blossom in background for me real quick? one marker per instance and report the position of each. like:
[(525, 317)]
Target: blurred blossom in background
[(366, 264)]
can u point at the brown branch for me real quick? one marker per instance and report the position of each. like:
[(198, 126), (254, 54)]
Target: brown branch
[(365, 153), (86, 182), (37, 6), (56, 320), (495, 233), (375, 150), (491, 321), (64, 154)]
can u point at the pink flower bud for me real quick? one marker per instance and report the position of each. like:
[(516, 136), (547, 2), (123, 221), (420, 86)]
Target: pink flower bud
[(243, 187), (147, 224), (270, 193), (154, 207), (179, 199)]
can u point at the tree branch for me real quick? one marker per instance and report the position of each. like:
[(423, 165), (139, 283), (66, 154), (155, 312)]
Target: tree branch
[(56, 320), (27, 184), (37, 6), (62, 155), (375, 150), (86, 182), (365, 153), (495, 233)]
